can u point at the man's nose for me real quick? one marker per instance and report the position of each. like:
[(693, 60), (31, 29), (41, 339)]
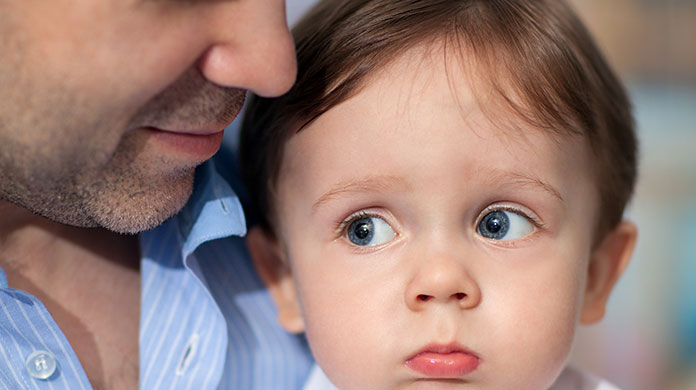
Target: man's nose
[(442, 278), (252, 47)]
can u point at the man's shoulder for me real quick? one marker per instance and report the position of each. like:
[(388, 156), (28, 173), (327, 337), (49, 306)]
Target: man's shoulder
[(33, 349)]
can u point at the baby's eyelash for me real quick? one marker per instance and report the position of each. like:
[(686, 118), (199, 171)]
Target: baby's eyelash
[(343, 225), (539, 224)]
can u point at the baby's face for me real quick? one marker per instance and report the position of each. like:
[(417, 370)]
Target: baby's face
[(430, 247)]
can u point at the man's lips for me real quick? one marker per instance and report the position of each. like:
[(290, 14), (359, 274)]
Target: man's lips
[(191, 131), (196, 143), (443, 361)]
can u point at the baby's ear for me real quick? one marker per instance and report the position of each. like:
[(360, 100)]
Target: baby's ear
[(272, 267), (607, 263)]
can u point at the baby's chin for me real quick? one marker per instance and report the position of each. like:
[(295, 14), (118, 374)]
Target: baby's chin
[(529, 376)]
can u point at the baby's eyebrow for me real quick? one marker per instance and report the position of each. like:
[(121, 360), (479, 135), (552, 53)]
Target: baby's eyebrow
[(384, 182), (368, 184), (521, 178)]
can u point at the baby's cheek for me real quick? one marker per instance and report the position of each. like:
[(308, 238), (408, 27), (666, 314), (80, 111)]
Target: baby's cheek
[(532, 354), (341, 343), (534, 336), (356, 325)]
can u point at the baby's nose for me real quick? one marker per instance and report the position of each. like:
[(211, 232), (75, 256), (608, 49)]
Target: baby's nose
[(443, 280)]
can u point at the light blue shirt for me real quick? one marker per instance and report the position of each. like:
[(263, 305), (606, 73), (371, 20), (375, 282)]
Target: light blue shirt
[(206, 321)]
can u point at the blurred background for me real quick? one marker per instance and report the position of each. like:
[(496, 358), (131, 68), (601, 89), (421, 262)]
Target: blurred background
[(647, 341)]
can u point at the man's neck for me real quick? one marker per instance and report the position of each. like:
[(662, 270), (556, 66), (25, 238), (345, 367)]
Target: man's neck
[(88, 279)]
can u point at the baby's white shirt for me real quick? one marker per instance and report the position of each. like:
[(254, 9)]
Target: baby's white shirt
[(570, 379), (574, 379)]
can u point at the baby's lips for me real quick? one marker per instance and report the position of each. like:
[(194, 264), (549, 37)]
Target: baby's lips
[(443, 361)]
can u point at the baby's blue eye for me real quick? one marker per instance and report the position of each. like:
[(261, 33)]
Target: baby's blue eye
[(504, 225), (370, 231)]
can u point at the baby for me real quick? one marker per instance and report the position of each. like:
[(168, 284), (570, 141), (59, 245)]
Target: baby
[(441, 194)]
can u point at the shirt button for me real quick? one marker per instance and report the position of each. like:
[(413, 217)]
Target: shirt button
[(41, 364)]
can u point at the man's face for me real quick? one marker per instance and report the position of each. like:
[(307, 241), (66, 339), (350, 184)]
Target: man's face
[(433, 246), (107, 106)]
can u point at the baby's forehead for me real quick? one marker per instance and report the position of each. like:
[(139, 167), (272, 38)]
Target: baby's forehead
[(424, 92), (482, 95), (436, 106)]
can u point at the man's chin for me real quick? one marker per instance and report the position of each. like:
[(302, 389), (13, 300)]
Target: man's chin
[(130, 224), (142, 211)]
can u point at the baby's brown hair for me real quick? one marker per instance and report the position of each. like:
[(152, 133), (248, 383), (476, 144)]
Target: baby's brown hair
[(536, 55)]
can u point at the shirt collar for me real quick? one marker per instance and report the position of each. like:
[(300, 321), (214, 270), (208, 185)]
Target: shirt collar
[(213, 211), (3, 279), (317, 380)]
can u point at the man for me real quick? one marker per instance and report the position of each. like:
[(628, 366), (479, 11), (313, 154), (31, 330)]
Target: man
[(106, 109)]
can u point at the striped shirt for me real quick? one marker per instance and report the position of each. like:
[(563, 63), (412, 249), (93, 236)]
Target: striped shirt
[(206, 321)]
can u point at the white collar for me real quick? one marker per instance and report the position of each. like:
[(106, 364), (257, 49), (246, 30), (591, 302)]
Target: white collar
[(317, 380), (570, 379)]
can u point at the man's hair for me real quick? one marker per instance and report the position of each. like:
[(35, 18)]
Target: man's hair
[(536, 54)]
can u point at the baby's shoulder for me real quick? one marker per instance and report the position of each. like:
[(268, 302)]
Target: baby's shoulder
[(573, 379)]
